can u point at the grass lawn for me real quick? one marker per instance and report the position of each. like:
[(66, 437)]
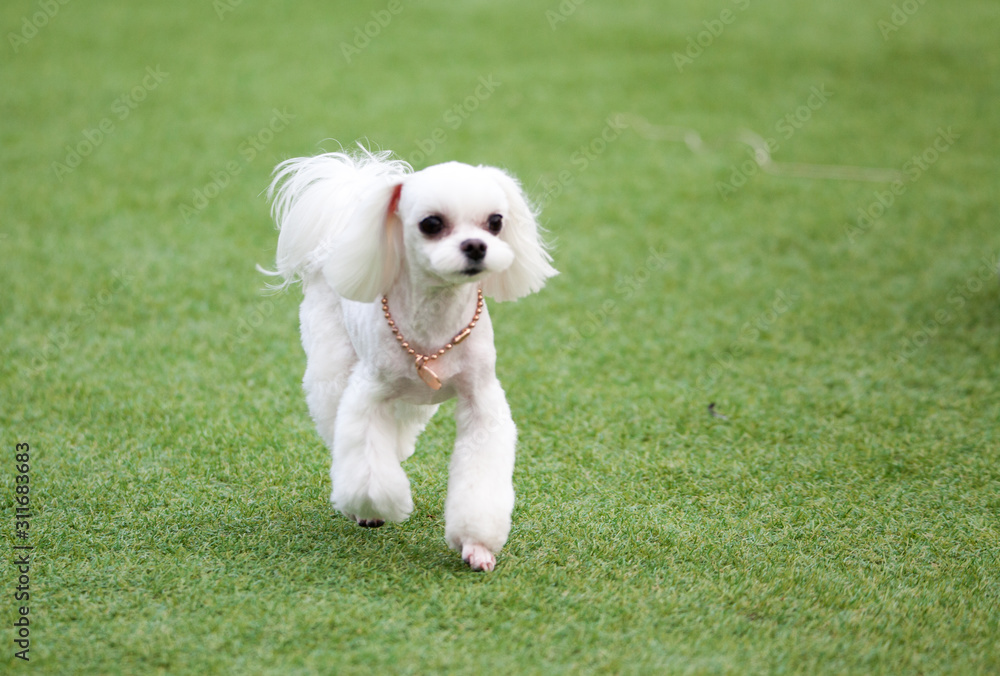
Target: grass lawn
[(835, 512)]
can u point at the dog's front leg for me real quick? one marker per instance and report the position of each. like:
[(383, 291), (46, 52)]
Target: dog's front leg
[(369, 485), (480, 483)]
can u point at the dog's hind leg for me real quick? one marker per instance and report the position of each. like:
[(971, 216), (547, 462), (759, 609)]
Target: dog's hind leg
[(330, 355), (411, 421)]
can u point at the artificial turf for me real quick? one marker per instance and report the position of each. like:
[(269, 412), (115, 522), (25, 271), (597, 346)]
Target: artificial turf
[(834, 512)]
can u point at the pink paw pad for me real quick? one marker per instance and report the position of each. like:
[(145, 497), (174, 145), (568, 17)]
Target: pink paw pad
[(478, 557)]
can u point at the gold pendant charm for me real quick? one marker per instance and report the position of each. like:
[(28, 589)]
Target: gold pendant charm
[(429, 377), (426, 375)]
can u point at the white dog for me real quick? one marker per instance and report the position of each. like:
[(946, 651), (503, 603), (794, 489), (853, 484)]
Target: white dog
[(394, 265)]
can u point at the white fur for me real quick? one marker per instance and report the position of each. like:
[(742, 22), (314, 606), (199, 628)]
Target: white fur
[(350, 232)]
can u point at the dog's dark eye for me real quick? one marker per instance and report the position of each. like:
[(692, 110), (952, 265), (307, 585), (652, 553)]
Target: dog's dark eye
[(495, 223), (432, 225)]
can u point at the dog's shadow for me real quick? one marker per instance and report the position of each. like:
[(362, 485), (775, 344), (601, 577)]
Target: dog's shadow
[(315, 543), (417, 543)]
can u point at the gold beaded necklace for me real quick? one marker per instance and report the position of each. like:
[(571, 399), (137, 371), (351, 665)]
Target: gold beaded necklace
[(421, 360)]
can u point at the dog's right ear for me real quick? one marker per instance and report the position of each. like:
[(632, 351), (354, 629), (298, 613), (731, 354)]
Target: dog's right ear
[(337, 216), (365, 257)]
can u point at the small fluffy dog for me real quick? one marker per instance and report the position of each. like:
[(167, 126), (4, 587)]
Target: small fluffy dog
[(394, 265)]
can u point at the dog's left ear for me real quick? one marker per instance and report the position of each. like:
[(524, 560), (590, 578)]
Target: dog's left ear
[(532, 262)]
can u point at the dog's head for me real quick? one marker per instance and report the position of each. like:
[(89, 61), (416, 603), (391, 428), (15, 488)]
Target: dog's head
[(361, 220), (462, 224)]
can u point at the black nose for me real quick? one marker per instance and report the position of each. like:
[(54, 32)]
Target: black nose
[(474, 249)]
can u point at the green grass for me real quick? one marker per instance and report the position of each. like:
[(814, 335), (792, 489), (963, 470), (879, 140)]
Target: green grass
[(841, 517)]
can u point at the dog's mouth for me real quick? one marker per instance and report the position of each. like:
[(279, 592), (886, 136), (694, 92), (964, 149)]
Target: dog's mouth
[(473, 270)]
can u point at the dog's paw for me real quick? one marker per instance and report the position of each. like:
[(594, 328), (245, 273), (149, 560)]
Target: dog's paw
[(478, 557), (367, 523)]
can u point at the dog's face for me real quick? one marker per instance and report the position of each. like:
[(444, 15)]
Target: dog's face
[(453, 216)]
